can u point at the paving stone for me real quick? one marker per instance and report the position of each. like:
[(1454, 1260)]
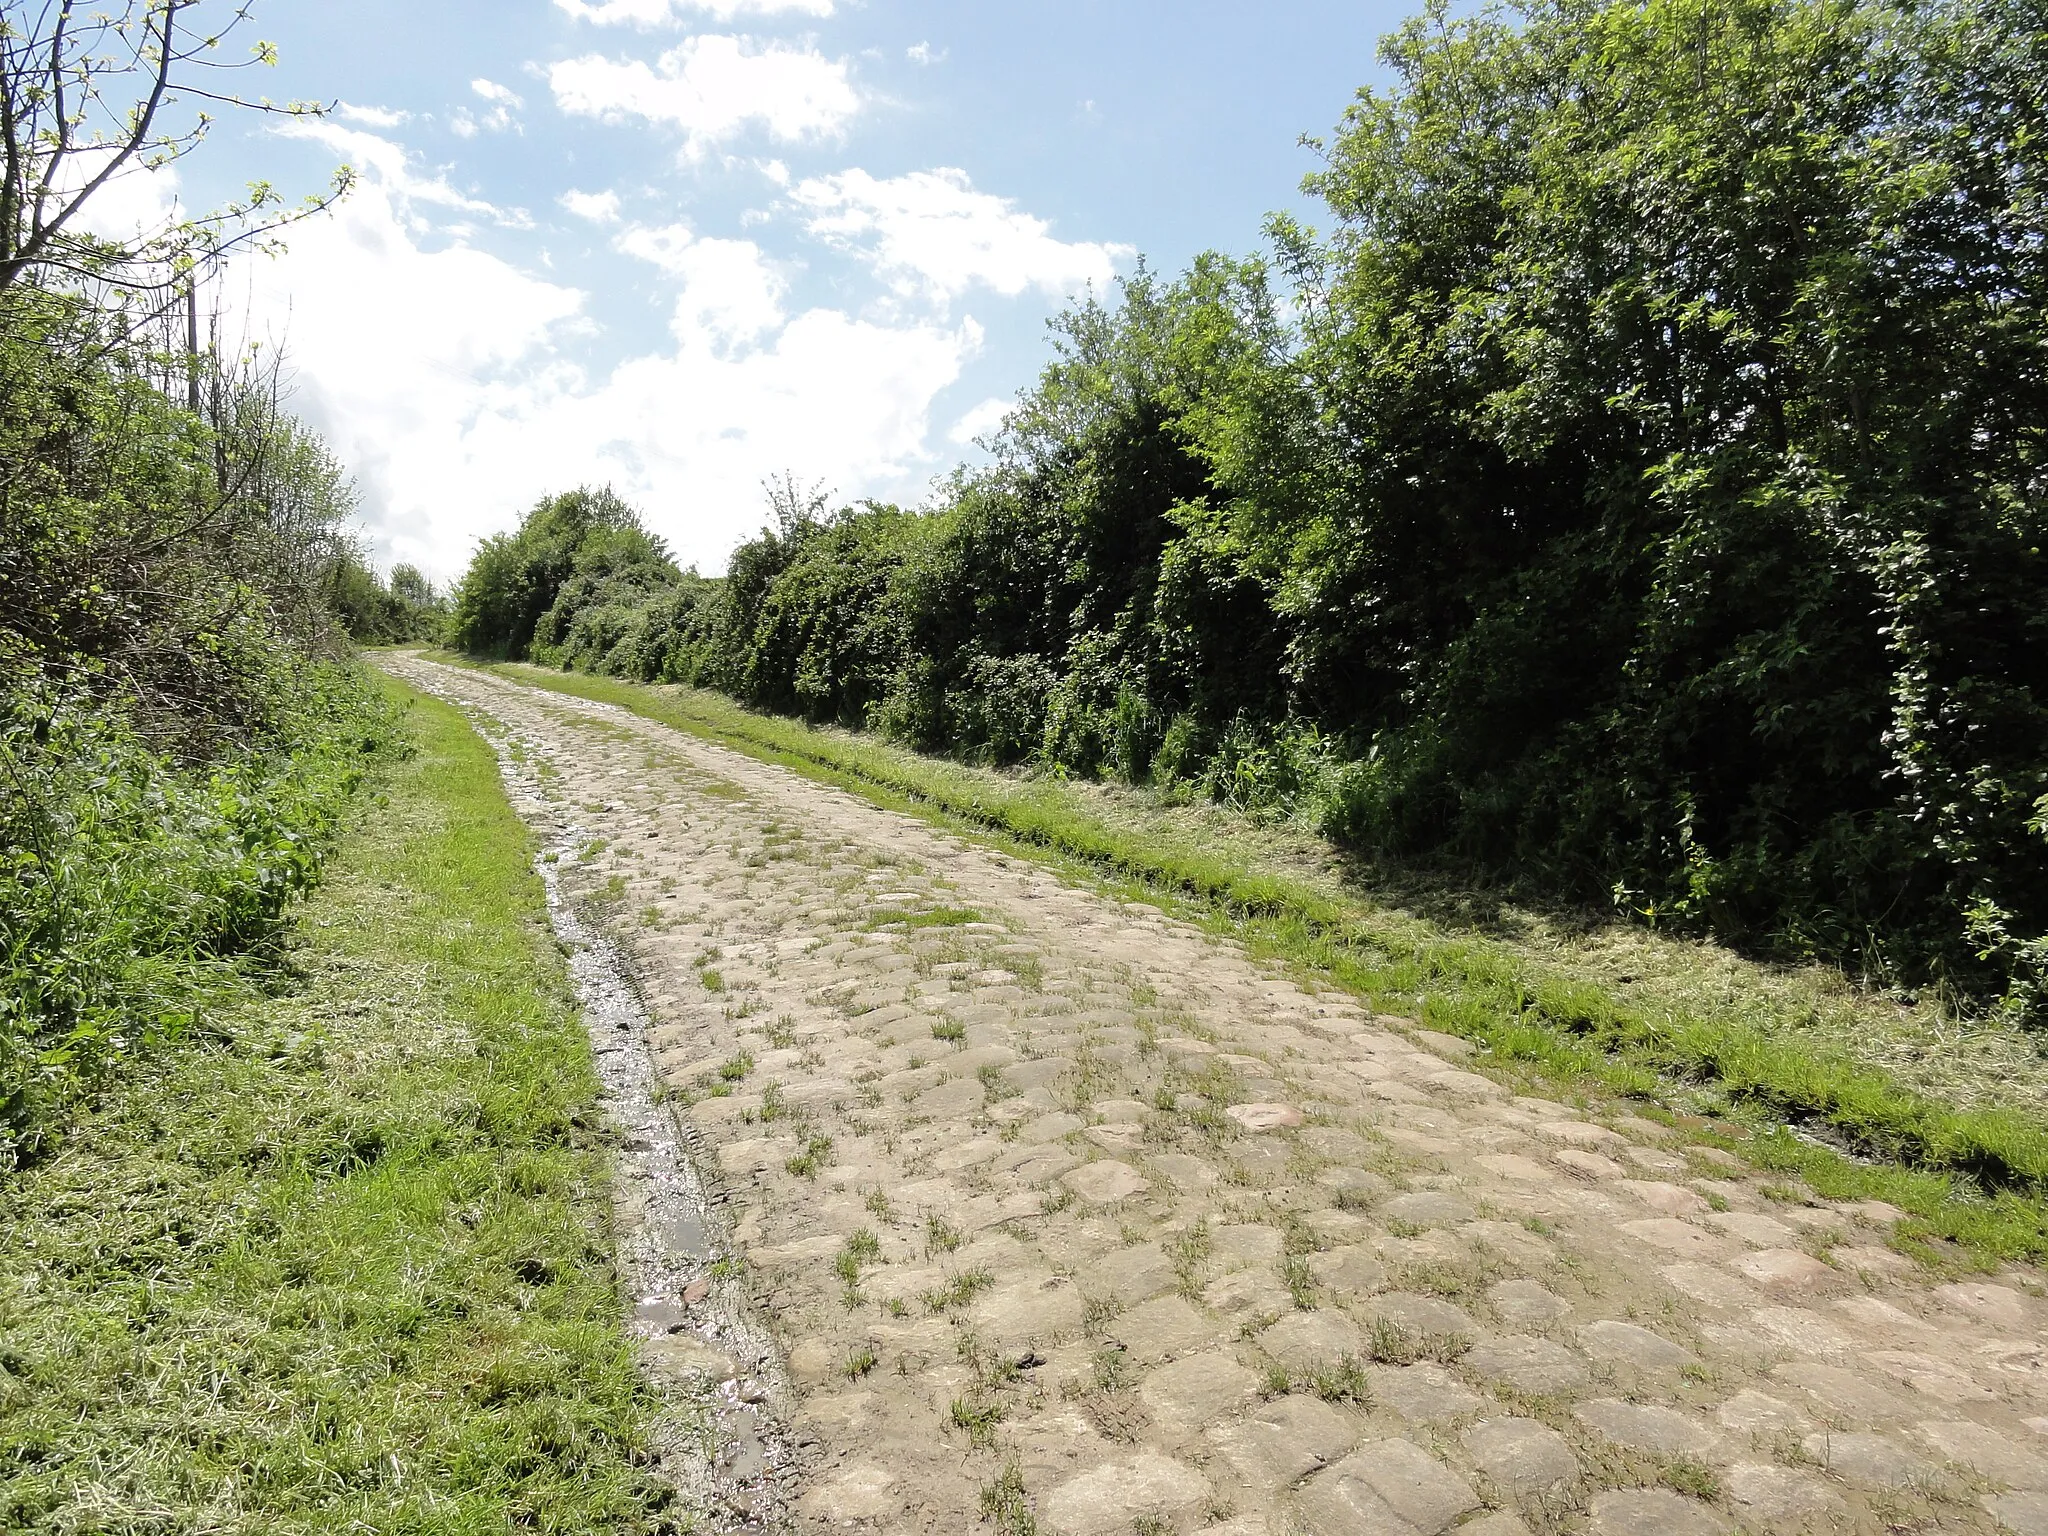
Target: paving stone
[(864, 1492), (1942, 1380), (960, 1097), (1843, 1393), (1753, 1227), (1029, 1312), (1522, 1456), (1986, 1451), (1783, 1269), (1533, 1366), (1190, 1175), (1798, 1330), (1999, 1305), (1578, 1133), (1108, 1499), (1622, 1343), (1265, 1117), (1198, 1389), (1666, 1199), (1385, 1478), (1124, 1139), (1525, 1304), (1129, 1275), (1879, 1319), (1359, 1183), (1761, 1416), (1427, 1208), (1866, 1460), (1648, 1427), (1653, 1512), (1247, 1293), (1422, 1317), (1245, 1243), (1307, 1340), (1421, 1394), (1512, 1165), (1284, 1440), (1591, 1165), (1713, 1286), (1773, 1498), (1495, 1522), (1163, 1328), (1051, 1127), (1106, 1182), (1345, 1272), (2024, 1514), (1675, 1236), (1863, 1259)]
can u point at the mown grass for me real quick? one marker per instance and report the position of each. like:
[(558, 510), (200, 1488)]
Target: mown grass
[(1976, 1176), (341, 1260)]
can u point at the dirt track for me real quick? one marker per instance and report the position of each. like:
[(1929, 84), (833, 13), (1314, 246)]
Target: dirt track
[(1143, 1237)]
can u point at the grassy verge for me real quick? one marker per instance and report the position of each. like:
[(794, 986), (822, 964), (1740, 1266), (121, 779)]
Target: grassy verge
[(1973, 1176), (341, 1260)]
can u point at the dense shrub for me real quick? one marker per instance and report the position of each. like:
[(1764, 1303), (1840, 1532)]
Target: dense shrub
[(124, 871), (1640, 488), (379, 612), (179, 725)]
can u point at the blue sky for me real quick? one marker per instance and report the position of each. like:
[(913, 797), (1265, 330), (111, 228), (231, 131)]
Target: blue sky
[(681, 245)]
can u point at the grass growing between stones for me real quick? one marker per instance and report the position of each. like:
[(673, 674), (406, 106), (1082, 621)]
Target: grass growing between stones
[(342, 1260), (1734, 1071)]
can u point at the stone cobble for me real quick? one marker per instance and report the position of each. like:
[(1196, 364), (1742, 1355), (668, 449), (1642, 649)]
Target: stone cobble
[(1059, 1206)]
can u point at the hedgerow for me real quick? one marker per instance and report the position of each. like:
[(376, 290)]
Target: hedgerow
[(1638, 489)]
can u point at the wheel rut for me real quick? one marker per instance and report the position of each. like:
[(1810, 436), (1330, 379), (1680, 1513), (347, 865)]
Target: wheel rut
[(1017, 1207)]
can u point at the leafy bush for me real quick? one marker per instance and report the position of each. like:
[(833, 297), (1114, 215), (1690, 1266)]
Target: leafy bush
[(125, 874)]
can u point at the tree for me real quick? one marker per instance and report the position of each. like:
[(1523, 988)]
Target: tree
[(85, 98)]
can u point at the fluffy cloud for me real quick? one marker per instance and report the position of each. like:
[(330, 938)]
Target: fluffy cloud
[(373, 117), (454, 382), (984, 419), (598, 207), (729, 293), (497, 117), (930, 232), (713, 88), (656, 13), (386, 163)]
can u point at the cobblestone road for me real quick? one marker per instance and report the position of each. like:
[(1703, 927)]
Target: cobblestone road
[(1068, 1217)]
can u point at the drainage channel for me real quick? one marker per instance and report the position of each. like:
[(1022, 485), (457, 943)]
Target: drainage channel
[(712, 1364)]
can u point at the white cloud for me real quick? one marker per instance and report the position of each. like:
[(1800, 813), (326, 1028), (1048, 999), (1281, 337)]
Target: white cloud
[(984, 419), (598, 207), (373, 117), (136, 203), (656, 13), (713, 88), (931, 232), (924, 53), (730, 293), (451, 381), (505, 104), (388, 164)]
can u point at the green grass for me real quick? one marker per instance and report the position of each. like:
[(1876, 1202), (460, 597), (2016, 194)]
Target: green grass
[(341, 1260), (1977, 1176)]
